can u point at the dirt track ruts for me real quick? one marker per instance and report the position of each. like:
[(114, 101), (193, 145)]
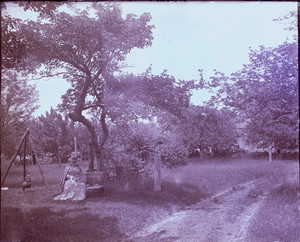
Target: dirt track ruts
[(222, 217)]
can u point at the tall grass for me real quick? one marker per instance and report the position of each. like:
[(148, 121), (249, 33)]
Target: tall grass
[(196, 179), (214, 175)]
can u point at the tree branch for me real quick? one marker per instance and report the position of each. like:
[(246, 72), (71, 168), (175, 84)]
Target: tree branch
[(90, 106), (279, 117), (47, 76)]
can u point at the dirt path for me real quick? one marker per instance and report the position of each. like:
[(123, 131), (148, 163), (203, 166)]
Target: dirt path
[(222, 217)]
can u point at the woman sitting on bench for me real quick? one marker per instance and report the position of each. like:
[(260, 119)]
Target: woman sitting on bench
[(72, 185)]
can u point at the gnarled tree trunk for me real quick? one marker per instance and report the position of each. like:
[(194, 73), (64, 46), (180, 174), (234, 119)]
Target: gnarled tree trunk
[(77, 116)]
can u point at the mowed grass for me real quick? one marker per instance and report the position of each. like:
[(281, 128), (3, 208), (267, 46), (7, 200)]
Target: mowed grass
[(32, 215)]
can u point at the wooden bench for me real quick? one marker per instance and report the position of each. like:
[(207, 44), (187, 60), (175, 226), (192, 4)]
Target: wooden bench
[(94, 181)]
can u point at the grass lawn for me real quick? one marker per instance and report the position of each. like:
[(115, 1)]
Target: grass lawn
[(32, 215)]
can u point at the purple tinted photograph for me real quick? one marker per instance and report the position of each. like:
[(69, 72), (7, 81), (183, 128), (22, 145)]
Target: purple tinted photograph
[(149, 121)]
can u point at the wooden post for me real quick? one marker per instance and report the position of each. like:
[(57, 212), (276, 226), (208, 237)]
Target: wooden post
[(59, 160), (14, 156), (37, 160), (81, 152), (91, 158), (75, 144), (270, 155), (157, 172), (270, 152), (24, 159)]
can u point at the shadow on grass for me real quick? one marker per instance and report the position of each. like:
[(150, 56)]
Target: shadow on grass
[(171, 194), (43, 224)]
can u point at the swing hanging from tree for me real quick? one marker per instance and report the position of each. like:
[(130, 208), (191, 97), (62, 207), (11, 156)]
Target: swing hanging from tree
[(26, 181)]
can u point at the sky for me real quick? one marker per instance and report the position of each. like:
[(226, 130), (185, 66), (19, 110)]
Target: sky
[(189, 36)]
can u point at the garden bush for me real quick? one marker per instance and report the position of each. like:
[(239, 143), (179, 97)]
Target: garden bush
[(131, 147)]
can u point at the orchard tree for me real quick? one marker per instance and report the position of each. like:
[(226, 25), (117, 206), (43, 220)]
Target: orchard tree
[(89, 49), (14, 48), (18, 97), (18, 102), (211, 130), (142, 111), (148, 96), (265, 94), (54, 133)]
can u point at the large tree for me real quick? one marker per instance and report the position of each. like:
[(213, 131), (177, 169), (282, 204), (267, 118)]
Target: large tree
[(89, 49), (143, 111), (265, 95), (18, 96)]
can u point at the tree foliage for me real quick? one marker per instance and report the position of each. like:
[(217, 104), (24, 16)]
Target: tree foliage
[(55, 133), (14, 47), (18, 102), (140, 107), (89, 49), (149, 96), (211, 130), (18, 97), (43, 8), (265, 95)]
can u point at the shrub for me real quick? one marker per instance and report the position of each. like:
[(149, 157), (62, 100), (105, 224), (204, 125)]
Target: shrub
[(131, 147)]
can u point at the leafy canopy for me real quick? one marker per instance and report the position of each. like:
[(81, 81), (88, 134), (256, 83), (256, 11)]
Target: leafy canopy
[(88, 49), (265, 94)]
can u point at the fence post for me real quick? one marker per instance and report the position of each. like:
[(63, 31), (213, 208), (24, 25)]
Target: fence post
[(91, 158), (157, 172), (75, 146)]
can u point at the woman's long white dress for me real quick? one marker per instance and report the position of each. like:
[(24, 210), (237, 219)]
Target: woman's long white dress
[(72, 185)]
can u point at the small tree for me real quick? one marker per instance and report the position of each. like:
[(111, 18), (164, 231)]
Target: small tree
[(139, 111), (18, 102), (211, 130), (55, 135)]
